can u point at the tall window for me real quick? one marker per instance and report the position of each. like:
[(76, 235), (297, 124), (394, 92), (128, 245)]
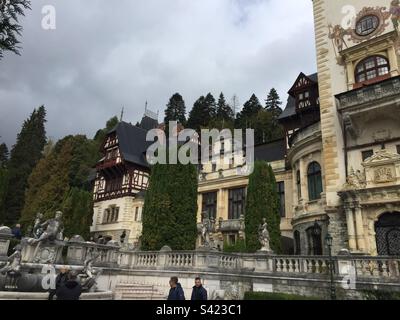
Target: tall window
[(111, 215), (298, 184), (371, 68), (137, 214), (237, 198), (303, 99), (281, 195), (210, 205), (314, 240), (314, 181)]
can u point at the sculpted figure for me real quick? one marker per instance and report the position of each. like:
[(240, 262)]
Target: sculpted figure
[(263, 236), (37, 227), (53, 229), (205, 231), (14, 262), (88, 271)]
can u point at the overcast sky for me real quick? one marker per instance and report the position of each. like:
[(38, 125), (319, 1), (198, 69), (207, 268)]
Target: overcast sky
[(107, 54)]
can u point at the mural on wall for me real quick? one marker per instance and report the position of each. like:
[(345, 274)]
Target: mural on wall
[(370, 22), (395, 13)]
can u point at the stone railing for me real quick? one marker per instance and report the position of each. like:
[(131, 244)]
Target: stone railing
[(372, 93), (305, 133)]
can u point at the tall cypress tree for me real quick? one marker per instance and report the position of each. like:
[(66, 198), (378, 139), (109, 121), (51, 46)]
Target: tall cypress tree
[(25, 154), (176, 110), (262, 202), (169, 214)]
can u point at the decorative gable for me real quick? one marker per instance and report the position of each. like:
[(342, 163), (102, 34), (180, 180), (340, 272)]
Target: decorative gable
[(382, 168)]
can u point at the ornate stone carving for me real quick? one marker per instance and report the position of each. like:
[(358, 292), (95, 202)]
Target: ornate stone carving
[(355, 180), (384, 174), (263, 236)]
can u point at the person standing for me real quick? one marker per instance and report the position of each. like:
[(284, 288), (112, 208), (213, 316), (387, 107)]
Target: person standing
[(199, 293), (176, 292), (16, 231), (70, 290), (61, 279)]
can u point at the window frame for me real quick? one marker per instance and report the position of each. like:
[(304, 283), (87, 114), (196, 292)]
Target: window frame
[(314, 179), (364, 155), (364, 20), (209, 204), (376, 68), (236, 203), (281, 194)]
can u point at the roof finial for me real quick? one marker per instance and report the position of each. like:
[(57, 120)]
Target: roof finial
[(122, 114), (145, 106)]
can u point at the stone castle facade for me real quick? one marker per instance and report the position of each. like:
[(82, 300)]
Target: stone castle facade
[(338, 168)]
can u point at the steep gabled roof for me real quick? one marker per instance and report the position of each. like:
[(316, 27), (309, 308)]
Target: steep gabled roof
[(304, 81), (132, 143)]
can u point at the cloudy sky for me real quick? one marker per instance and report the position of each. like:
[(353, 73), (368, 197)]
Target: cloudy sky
[(107, 54)]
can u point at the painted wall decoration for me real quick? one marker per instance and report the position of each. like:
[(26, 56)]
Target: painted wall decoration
[(379, 21)]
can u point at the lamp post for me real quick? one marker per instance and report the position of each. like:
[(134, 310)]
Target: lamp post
[(329, 240)]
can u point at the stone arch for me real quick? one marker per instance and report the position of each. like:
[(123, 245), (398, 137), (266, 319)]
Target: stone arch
[(387, 229)]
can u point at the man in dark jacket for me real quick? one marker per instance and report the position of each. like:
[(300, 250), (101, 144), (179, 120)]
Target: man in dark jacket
[(71, 290), (176, 291), (199, 292), (16, 232), (61, 279)]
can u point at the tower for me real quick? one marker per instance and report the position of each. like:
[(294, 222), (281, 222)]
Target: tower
[(357, 46)]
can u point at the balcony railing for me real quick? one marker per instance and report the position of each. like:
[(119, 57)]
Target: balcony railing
[(369, 94)]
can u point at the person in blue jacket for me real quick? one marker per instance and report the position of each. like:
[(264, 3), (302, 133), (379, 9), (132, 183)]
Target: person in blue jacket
[(176, 292), (199, 292)]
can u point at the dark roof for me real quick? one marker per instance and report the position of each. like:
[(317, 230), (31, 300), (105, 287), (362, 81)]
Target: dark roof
[(271, 151), (132, 143), (148, 123), (290, 109)]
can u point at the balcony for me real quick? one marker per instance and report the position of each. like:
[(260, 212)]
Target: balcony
[(370, 97)]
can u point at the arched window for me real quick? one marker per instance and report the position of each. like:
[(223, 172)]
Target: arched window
[(371, 68), (298, 184), (314, 181)]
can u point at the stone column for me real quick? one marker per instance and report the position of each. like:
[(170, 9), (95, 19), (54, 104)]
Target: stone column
[(303, 180), (360, 229), (350, 228), (393, 61), (350, 75)]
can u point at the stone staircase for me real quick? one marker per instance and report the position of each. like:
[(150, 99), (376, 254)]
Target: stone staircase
[(128, 291)]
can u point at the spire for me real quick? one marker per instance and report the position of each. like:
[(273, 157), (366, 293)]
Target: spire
[(122, 115)]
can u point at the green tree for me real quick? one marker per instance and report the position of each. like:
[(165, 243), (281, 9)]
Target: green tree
[(262, 202), (248, 116), (273, 103), (10, 28), (3, 192), (169, 214), (3, 155), (224, 111), (203, 112), (176, 110), (25, 154)]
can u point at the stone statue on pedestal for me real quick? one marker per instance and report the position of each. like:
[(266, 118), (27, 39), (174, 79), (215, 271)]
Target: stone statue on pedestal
[(205, 231), (13, 269), (53, 230), (263, 236), (89, 271)]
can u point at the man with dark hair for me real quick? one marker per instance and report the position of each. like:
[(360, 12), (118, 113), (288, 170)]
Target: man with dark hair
[(176, 291), (199, 292), (71, 290), (61, 279)]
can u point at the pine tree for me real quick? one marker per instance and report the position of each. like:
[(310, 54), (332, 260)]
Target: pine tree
[(273, 103), (9, 25), (262, 202), (176, 110), (247, 117), (3, 155), (25, 154), (169, 214), (224, 111), (203, 113)]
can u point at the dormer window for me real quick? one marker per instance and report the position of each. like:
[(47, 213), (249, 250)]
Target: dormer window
[(303, 100), (371, 68)]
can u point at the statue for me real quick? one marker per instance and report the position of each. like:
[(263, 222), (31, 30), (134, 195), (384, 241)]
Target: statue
[(54, 230), (88, 271), (37, 227), (205, 231), (263, 236), (13, 265)]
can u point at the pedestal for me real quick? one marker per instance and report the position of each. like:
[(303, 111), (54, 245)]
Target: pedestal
[(42, 253)]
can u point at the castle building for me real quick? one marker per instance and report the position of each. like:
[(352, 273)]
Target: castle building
[(338, 167)]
